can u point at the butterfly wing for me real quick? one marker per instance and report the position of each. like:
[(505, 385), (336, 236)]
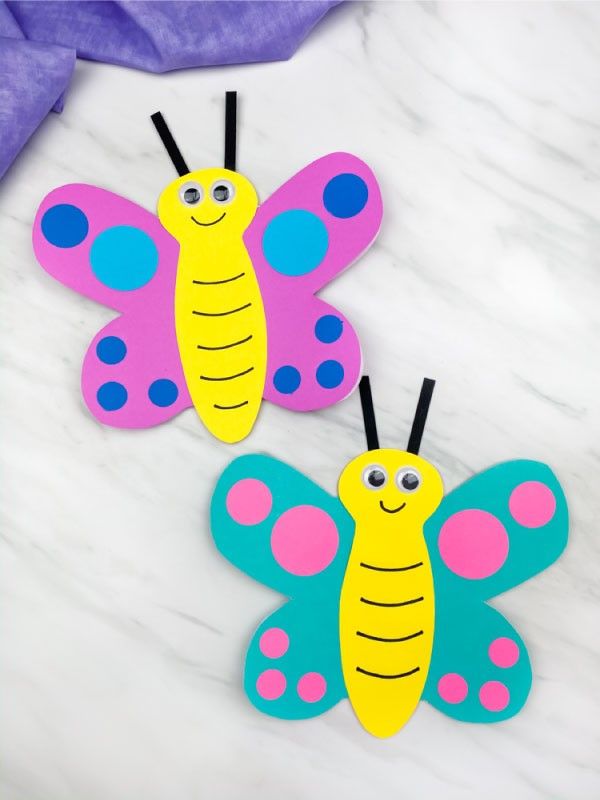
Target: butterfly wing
[(492, 533), (280, 528), (311, 229), (113, 251)]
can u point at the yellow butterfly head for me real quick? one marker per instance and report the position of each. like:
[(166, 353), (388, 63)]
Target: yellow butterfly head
[(208, 203), (391, 487)]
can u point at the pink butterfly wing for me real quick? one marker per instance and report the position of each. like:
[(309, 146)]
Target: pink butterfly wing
[(113, 251), (312, 228)]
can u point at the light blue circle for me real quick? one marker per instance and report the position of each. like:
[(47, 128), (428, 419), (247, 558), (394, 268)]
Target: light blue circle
[(163, 392), (295, 242), (111, 350), (112, 396), (124, 257), (330, 374), (328, 328), (287, 379), (65, 225)]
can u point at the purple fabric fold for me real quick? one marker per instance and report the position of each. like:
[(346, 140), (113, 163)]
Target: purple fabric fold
[(40, 40)]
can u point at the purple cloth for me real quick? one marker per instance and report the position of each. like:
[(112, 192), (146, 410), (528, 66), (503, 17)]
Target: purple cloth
[(39, 42)]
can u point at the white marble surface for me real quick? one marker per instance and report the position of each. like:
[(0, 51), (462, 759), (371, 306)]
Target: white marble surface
[(121, 629)]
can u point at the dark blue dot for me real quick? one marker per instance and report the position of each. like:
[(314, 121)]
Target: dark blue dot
[(286, 380), (345, 195), (112, 396), (163, 392), (330, 374), (65, 225), (111, 350), (328, 328)]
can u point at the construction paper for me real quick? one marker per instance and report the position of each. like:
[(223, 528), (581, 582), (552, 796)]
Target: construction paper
[(388, 584), (216, 293)]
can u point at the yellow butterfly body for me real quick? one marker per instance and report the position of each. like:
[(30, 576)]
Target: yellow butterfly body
[(219, 314), (387, 603)]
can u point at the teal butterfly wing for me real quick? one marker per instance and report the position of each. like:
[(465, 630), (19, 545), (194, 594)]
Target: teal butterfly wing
[(492, 533), (283, 530)]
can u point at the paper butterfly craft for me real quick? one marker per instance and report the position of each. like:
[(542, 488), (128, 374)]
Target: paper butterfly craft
[(217, 293), (388, 585)]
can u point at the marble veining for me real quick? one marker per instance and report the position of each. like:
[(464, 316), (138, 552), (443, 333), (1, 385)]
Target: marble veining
[(122, 631)]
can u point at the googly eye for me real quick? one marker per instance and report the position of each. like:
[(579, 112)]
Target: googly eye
[(408, 480), (374, 477), (222, 192), (190, 193)]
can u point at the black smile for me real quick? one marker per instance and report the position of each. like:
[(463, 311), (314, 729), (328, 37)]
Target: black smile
[(390, 510), (208, 224)]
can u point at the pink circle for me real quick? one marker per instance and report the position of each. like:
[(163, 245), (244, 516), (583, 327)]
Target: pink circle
[(452, 687), (249, 501), (494, 696), (304, 540), (473, 543), (532, 504), (271, 684), (312, 687), (504, 652), (274, 643)]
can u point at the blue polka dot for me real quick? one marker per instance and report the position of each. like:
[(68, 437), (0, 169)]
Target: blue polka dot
[(112, 396), (345, 195), (330, 374), (295, 242), (328, 329), (286, 380), (111, 350), (163, 392), (65, 225), (124, 257)]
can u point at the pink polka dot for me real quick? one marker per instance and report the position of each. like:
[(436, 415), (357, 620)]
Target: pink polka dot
[(304, 540), (249, 501), (532, 504), (312, 687), (452, 687), (494, 696), (274, 643), (271, 684), (503, 652), (473, 543)]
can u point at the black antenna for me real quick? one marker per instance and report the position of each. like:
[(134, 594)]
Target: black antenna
[(418, 426), (366, 401), (169, 143), (230, 129)]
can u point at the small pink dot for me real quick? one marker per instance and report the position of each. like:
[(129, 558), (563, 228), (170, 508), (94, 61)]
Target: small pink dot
[(494, 696), (304, 540), (271, 684), (274, 643), (473, 543), (452, 687), (312, 687), (249, 501), (532, 504), (504, 652)]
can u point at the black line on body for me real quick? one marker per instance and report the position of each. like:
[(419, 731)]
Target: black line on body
[(391, 605), (391, 569), (221, 313), (215, 283), (224, 346), (383, 639), (229, 378), (230, 408), (388, 677), (208, 224)]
